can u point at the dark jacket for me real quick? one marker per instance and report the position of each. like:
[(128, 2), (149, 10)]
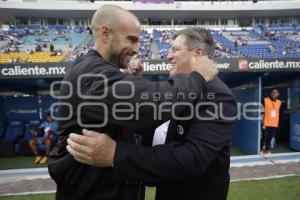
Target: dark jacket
[(194, 162), (88, 102)]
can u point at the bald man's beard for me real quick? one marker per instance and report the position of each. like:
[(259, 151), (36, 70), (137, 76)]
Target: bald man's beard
[(118, 58)]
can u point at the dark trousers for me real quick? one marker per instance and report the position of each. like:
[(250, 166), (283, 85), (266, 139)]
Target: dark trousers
[(267, 134)]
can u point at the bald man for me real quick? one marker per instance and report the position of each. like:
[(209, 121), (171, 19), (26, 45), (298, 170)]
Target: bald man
[(97, 89)]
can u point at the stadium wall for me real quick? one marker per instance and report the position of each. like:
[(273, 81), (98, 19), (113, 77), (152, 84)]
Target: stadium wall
[(247, 132), (295, 116), (2, 115)]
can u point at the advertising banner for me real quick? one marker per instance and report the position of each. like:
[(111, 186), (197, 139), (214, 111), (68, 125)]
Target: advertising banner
[(33, 70), (58, 70), (20, 108), (269, 65)]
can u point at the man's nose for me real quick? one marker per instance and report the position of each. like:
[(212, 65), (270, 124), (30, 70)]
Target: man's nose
[(136, 48), (169, 56)]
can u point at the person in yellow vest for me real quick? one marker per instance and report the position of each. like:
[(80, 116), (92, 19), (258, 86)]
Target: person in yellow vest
[(270, 120)]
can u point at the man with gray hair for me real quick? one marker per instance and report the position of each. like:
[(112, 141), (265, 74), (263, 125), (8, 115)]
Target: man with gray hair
[(190, 156), (94, 89)]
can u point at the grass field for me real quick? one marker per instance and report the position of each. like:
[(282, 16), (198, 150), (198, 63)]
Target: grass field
[(19, 162), (27, 162), (30, 197), (273, 189), (236, 152), (280, 148)]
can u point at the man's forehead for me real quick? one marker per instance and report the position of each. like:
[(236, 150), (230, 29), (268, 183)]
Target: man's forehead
[(179, 41), (128, 22), (129, 32), (132, 31)]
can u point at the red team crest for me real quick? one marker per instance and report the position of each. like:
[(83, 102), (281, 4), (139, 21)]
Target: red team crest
[(243, 64)]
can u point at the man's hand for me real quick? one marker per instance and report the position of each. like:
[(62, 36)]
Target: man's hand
[(204, 66), (92, 148), (134, 68)]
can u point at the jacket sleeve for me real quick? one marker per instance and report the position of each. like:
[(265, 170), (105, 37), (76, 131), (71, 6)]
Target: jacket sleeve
[(135, 102), (177, 160)]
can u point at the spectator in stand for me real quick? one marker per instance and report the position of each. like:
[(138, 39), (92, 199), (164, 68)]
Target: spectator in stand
[(51, 47), (38, 48), (235, 45)]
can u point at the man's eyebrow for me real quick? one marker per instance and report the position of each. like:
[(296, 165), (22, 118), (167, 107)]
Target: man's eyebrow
[(133, 38)]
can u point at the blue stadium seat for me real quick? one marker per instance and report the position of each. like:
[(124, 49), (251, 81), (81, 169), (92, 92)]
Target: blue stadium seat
[(2, 129), (14, 131)]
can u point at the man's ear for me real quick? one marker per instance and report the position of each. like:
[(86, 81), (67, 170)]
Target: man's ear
[(199, 51), (105, 33)]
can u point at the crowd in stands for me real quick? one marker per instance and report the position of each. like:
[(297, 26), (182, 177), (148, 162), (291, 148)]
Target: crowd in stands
[(260, 42), (71, 42), (31, 39), (146, 40), (163, 41)]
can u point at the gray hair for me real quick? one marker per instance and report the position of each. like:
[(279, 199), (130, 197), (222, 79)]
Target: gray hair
[(198, 37)]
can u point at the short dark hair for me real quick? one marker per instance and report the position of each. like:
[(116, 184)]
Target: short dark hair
[(35, 128), (49, 115), (274, 89), (198, 37)]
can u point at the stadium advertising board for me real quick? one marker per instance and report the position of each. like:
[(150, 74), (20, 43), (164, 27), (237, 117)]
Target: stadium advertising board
[(233, 65), (20, 108), (34, 70), (58, 70), (257, 65)]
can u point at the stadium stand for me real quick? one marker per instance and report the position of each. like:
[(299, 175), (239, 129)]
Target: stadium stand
[(146, 40), (32, 43), (35, 43), (22, 57), (255, 43)]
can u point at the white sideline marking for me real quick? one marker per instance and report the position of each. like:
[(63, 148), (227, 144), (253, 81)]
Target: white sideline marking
[(29, 193), (265, 178), (14, 171), (251, 164)]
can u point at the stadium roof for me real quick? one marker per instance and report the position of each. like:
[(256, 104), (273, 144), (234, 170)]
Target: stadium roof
[(188, 9)]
